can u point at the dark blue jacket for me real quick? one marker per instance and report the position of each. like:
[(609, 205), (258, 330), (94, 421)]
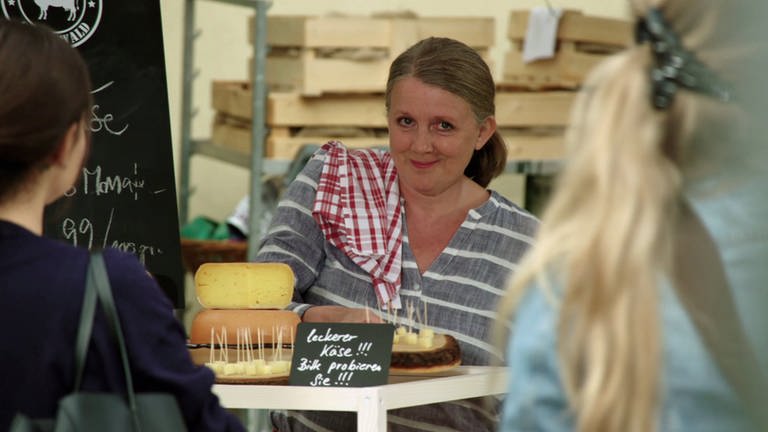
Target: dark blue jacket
[(41, 290)]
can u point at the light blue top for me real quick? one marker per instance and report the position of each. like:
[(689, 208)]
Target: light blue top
[(695, 395)]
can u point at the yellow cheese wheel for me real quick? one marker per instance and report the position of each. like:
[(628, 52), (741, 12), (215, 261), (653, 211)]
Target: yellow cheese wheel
[(272, 324), (244, 285)]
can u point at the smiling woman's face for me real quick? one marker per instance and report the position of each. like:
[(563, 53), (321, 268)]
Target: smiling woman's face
[(432, 135)]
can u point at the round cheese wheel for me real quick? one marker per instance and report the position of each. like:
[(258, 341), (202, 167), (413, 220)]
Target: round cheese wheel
[(441, 355), (270, 323), (244, 285)]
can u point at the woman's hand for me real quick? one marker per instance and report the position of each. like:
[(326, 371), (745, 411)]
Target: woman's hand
[(341, 314)]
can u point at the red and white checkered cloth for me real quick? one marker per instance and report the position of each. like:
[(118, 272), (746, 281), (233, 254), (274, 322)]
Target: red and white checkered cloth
[(358, 208)]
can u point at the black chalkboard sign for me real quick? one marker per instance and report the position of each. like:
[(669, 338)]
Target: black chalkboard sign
[(126, 197), (341, 355)]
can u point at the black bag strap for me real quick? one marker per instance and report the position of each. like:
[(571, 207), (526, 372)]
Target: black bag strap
[(97, 285), (85, 327)]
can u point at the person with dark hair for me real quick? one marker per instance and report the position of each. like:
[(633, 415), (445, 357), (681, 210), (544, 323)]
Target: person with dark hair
[(414, 225), (45, 106), (642, 306)]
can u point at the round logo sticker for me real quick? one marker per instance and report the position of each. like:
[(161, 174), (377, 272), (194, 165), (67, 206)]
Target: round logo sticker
[(74, 20)]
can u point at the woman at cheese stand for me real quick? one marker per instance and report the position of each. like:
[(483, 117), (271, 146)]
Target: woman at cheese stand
[(414, 225), (45, 106)]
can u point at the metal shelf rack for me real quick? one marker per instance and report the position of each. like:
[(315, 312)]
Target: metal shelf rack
[(189, 147)]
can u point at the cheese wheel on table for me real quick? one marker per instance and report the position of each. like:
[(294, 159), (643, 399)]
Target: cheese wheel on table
[(244, 285), (442, 354), (269, 322)]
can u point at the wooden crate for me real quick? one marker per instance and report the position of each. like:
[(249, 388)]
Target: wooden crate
[(534, 144), (525, 109), (391, 32), (533, 123), (294, 120), (582, 42), (284, 143), (291, 109), (351, 54)]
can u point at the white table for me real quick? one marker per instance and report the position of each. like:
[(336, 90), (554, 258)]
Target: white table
[(370, 403)]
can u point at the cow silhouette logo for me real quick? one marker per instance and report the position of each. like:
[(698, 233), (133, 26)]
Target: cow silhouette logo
[(68, 5), (74, 20)]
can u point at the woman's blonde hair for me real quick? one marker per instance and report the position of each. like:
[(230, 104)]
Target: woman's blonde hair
[(608, 228)]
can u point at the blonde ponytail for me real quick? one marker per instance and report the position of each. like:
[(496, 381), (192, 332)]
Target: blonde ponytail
[(606, 229)]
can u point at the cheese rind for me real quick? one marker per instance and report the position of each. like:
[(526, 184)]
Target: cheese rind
[(271, 324), (244, 285)]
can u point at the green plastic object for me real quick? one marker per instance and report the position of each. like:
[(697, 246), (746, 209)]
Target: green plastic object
[(205, 228)]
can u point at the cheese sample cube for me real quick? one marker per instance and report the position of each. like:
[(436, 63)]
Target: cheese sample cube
[(244, 285)]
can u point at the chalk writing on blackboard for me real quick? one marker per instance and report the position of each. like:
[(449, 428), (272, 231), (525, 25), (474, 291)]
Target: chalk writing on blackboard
[(125, 197), (103, 123), (341, 355), (96, 182), (81, 232)]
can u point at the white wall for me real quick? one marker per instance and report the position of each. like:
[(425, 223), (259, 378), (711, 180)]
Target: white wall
[(222, 52)]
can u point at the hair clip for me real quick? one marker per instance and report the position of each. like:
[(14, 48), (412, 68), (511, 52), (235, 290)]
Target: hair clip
[(675, 66)]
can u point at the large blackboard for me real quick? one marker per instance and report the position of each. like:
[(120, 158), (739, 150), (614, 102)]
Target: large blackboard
[(126, 196)]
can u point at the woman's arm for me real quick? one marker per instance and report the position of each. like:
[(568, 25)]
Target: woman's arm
[(340, 314), (156, 343), (294, 236)]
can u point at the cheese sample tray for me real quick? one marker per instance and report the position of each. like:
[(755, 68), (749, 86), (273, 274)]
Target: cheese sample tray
[(261, 365)]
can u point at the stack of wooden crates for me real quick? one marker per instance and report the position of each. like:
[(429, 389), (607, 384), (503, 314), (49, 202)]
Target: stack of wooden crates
[(533, 100), (327, 75)]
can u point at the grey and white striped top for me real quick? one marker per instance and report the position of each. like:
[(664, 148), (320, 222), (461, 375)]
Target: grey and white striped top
[(461, 290)]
